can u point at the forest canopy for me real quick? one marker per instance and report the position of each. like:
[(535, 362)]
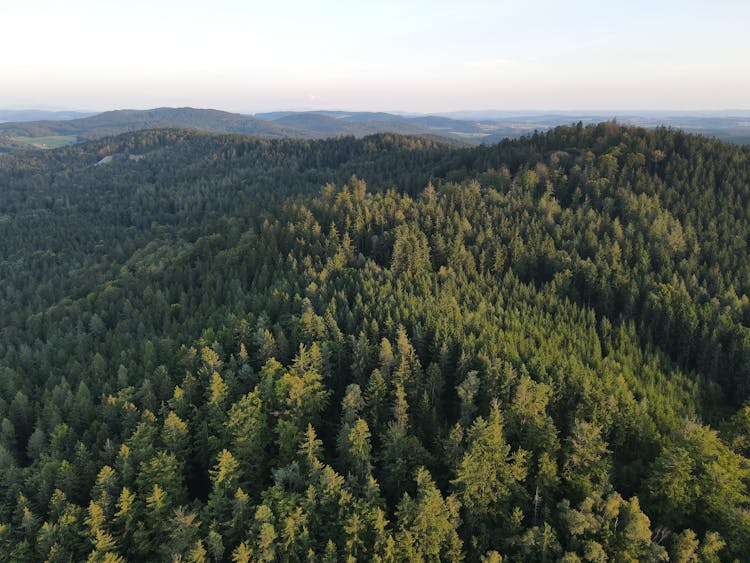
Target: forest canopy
[(224, 348)]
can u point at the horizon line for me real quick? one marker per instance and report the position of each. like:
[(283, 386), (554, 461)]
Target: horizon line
[(391, 111)]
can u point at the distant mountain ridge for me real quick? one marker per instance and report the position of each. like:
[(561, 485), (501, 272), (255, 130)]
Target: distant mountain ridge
[(12, 115), (464, 128), (121, 121), (306, 125)]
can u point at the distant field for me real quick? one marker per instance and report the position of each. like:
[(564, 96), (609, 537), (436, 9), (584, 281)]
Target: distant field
[(51, 142)]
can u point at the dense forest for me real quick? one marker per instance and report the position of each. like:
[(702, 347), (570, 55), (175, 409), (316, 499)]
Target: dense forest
[(224, 348)]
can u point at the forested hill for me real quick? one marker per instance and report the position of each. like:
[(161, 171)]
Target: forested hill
[(18, 135), (223, 348), (120, 121)]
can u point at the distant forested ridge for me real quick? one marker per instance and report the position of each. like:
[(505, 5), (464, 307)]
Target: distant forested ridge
[(224, 348), (19, 135)]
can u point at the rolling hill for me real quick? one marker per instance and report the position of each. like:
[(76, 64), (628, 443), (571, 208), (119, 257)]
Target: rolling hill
[(121, 121), (468, 128), (299, 125), (379, 348)]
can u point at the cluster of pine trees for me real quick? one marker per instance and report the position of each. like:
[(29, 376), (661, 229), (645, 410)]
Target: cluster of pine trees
[(535, 351)]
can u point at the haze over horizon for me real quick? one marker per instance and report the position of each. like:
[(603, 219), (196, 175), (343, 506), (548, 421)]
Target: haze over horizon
[(427, 57)]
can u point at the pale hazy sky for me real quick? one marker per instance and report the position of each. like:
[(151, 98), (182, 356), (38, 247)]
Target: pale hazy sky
[(407, 55)]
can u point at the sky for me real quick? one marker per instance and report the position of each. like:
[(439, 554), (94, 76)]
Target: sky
[(405, 55)]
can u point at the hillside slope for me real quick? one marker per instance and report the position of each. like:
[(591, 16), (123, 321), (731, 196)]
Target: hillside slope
[(381, 347)]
